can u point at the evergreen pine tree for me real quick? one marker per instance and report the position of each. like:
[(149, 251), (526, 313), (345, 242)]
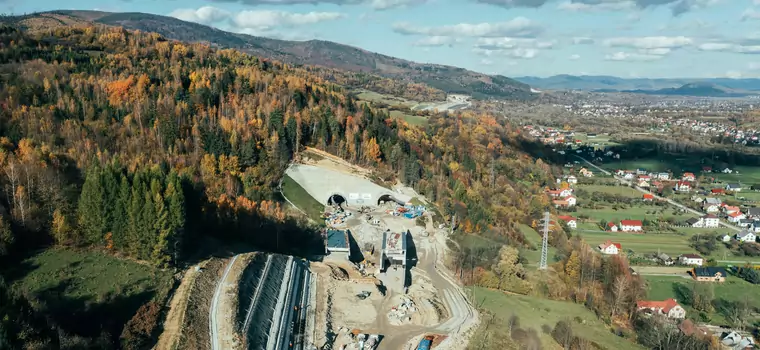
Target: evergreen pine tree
[(162, 249), (91, 209), (121, 224)]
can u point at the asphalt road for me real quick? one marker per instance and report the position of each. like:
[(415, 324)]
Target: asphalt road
[(672, 202)]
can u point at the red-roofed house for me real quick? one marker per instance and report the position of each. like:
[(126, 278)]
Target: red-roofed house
[(631, 226), (718, 191), (610, 248), (648, 197), (612, 227), (571, 221), (688, 177), (736, 216), (707, 169), (669, 308), (566, 202)]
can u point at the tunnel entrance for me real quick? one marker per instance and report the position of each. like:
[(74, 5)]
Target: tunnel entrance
[(388, 198), (336, 200)]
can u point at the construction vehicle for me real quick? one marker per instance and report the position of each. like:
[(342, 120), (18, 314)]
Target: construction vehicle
[(363, 295)]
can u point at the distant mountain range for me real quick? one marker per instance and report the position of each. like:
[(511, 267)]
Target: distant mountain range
[(712, 87), (313, 52)]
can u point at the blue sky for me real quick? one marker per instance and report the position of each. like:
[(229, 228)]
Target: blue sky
[(626, 38)]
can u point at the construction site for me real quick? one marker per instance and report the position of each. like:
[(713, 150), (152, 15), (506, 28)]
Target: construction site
[(380, 285)]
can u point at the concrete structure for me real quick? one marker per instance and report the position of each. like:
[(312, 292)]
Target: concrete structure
[(394, 247), (333, 187), (337, 242)]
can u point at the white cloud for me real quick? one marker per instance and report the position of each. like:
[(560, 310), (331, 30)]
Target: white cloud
[(650, 42), (521, 53), (514, 3), (512, 43), (750, 14), (754, 65), (203, 15), (660, 51), (581, 40), (734, 74), (596, 5), (575, 57), (730, 47), (486, 62), (391, 4), (715, 47), (432, 41), (266, 19), (628, 56), (518, 27)]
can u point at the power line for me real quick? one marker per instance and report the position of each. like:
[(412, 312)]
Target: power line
[(546, 222)]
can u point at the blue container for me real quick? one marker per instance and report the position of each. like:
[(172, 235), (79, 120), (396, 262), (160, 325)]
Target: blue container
[(424, 344)]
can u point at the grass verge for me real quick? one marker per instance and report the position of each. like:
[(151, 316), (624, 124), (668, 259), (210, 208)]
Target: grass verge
[(302, 199), (534, 312), (87, 293)]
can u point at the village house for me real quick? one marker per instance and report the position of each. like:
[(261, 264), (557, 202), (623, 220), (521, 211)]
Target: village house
[(628, 176), (663, 176), (610, 248), (691, 259), (631, 226), (709, 274), (730, 209), (572, 179), (665, 259), (695, 222), (734, 187), (735, 217), (707, 169), (735, 341), (710, 220), (727, 171), (569, 220), (643, 184), (711, 205), (753, 213), (566, 202), (688, 177), (726, 238), (669, 308), (746, 223), (611, 227), (585, 172), (683, 186), (648, 197), (560, 193), (745, 236), (718, 191)]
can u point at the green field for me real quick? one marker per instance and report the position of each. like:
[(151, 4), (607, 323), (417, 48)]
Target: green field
[(535, 312), (633, 213), (534, 256), (409, 118), (671, 244), (599, 140), (302, 199), (87, 292), (619, 190), (733, 289), (372, 96)]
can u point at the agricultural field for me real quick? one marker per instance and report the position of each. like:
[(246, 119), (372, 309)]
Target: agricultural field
[(87, 293), (635, 212), (301, 199), (409, 118), (734, 289), (371, 96), (598, 141), (536, 313), (619, 190), (671, 244)]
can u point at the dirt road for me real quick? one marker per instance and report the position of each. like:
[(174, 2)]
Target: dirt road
[(216, 344), (672, 202), (461, 313)]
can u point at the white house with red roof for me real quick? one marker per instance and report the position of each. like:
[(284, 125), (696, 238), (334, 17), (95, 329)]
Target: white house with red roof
[(631, 226), (648, 197), (610, 248), (611, 227), (688, 177), (569, 220), (669, 308), (683, 186), (735, 217), (566, 202), (710, 220)]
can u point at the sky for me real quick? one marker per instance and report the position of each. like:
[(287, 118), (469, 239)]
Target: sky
[(625, 38)]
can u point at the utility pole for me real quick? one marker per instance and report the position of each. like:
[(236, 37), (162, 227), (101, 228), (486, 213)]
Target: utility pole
[(545, 241)]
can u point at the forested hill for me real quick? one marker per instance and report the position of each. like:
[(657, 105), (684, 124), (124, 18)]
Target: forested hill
[(314, 52), (130, 144)]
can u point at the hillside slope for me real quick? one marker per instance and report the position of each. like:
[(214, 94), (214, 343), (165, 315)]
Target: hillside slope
[(697, 89), (313, 52)]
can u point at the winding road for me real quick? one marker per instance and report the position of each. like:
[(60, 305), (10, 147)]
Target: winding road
[(672, 202)]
